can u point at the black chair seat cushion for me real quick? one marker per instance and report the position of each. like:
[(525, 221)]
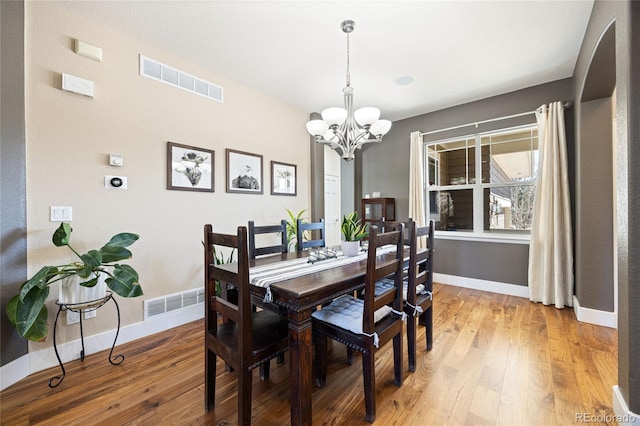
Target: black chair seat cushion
[(270, 333)]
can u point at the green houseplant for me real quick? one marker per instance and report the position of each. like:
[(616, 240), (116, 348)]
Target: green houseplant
[(353, 230), (292, 228), (27, 310)]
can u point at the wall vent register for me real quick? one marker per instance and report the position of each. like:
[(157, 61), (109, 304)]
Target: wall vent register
[(172, 302), (155, 70)]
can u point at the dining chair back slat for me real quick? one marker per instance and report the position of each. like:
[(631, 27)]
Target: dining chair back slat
[(310, 235), (280, 229)]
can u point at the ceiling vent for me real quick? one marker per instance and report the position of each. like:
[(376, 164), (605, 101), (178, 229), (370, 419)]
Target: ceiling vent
[(158, 71)]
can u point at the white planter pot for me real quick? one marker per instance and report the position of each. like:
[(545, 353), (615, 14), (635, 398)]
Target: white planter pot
[(72, 292), (350, 248)]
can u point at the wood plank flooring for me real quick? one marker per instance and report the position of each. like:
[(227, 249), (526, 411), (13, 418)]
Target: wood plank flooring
[(496, 360)]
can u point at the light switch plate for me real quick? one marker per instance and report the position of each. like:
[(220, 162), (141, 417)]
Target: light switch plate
[(73, 317), (60, 213)]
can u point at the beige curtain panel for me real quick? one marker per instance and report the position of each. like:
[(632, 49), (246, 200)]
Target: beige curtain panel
[(416, 184), (550, 251)]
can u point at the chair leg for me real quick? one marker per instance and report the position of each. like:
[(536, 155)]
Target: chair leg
[(397, 359), (210, 380), (264, 370), (320, 341), (429, 327), (411, 342), (350, 355), (369, 376), (244, 397)]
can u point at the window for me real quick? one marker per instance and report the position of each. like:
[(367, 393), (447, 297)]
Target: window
[(483, 182)]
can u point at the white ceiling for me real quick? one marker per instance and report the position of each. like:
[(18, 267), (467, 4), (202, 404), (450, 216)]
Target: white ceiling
[(456, 51)]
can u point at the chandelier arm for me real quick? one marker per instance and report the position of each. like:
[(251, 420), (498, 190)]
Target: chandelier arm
[(332, 145), (362, 137)]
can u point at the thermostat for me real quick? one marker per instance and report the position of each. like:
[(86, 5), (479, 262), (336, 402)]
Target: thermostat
[(115, 182), (116, 160)]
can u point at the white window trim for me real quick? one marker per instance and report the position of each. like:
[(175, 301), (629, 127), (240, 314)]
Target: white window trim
[(494, 237), (497, 236)]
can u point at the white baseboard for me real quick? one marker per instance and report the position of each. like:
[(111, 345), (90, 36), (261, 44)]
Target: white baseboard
[(46, 358), (623, 416), (594, 316), (588, 315), (476, 284), (14, 371)]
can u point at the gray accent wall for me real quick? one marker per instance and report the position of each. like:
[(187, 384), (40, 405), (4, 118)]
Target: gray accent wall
[(13, 227), (595, 199), (629, 284), (480, 257), (317, 177), (385, 168)]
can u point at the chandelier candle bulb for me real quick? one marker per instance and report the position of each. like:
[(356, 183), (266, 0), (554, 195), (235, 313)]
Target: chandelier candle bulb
[(343, 129)]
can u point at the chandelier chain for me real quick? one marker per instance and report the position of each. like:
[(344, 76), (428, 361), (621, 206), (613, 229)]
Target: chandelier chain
[(348, 73)]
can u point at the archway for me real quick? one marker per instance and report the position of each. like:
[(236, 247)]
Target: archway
[(596, 273)]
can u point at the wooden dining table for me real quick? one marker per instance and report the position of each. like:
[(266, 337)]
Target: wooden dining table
[(297, 298)]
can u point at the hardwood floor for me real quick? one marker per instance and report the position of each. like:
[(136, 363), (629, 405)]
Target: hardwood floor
[(496, 360)]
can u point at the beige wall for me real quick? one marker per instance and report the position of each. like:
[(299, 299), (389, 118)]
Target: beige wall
[(70, 136)]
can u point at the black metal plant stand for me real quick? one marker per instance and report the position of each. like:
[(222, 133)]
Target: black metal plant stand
[(80, 308)]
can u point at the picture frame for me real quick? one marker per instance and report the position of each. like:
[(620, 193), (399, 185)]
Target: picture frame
[(284, 179), (190, 168), (244, 172)]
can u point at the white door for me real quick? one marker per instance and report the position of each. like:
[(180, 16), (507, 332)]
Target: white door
[(332, 208)]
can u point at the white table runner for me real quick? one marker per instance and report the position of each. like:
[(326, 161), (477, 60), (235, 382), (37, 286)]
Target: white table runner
[(265, 275)]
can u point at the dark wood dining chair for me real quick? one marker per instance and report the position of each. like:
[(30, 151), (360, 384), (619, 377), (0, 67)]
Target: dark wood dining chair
[(248, 339), (254, 230), (417, 287), (366, 325), (310, 235), (419, 301)]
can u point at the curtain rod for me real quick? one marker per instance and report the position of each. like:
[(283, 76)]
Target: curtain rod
[(566, 104)]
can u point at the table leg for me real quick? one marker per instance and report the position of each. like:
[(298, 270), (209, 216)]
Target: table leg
[(300, 367)]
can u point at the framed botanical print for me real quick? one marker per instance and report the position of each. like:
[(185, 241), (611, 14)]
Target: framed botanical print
[(190, 168), (283, 179), (244, 172)]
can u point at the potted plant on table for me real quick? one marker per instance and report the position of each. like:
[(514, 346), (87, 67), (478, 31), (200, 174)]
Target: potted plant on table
[(353, 230), (292, 228), (27, 310)]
